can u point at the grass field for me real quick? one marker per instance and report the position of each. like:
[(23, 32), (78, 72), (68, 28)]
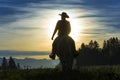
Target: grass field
[(83, 73)]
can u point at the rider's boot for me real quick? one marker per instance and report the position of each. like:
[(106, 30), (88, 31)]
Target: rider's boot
[(52, 56)]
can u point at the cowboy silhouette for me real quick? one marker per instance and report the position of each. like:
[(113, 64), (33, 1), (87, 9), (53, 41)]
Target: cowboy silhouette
[(64, 28)]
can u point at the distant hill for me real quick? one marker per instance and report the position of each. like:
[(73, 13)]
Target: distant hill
[(30, 62), (34, 63)]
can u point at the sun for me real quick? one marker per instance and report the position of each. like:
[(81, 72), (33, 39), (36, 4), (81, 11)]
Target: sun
[(76, 29)]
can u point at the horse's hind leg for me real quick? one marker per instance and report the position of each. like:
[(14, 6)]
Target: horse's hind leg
[(66, 64), (69, 64)]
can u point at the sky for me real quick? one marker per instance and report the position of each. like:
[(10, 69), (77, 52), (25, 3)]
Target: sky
[(27, 25)]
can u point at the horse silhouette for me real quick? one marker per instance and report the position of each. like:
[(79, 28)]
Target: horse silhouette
[(66, 52), (63, 45)]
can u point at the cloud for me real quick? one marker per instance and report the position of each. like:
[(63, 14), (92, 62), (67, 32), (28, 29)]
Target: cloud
[(23, 18), (108, 11), (13, 10)]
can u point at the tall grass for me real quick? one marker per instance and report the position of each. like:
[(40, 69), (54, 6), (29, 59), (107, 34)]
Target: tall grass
[(83, 73)]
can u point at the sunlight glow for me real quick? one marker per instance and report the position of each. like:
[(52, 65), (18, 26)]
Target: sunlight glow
[(52, 25), (76, 28)]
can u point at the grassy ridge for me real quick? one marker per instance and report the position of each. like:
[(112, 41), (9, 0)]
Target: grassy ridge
[(83, 73)]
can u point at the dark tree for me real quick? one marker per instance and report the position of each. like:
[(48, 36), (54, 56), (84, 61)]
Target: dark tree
[(91, 44), (111, 46), (12, 64), (83, 46), (84, 49), (96, 45), (105, 48), (91, 48), (91, 54), (4, 63)]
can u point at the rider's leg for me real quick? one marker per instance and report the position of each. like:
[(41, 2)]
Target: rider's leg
[(52, 55), (54, 48)]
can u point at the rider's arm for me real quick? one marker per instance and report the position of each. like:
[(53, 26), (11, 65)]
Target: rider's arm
[(55, 30)]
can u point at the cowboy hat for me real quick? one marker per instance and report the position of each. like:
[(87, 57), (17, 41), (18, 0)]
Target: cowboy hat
[(64, 14)]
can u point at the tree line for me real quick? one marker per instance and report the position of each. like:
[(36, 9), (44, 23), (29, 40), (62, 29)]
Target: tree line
[(92, 54), (9, 64)]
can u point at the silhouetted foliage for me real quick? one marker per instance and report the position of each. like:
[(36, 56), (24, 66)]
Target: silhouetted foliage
[(12, 64), (112, 46), (92, 54), (92, 48), (4, 64)]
